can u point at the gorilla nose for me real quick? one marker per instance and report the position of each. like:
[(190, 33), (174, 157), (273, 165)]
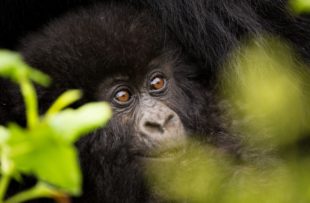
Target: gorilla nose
[(157, 124), (159, 129)]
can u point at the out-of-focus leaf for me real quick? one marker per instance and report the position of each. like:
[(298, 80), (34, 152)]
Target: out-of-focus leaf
[(40, 152), (70, 124), (40, 190), (9, 64), (64, 100), (47, 151), (256, 185), (58, 165), (4, 134), (67, 174), (46, 148), (13, 67), (300, 6), (269, 90), (39, 77), (195, 176)]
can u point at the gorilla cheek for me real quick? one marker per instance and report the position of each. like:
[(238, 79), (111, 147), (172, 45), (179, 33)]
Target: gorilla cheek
[(159, 129)]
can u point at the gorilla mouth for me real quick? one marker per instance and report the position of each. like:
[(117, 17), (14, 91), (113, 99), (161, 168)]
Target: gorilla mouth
[(166, 144), (163, 154)]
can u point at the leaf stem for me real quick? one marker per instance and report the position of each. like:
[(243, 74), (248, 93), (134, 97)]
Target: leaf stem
[(38, 191), (4, 183), (30, 99), (64, 100)]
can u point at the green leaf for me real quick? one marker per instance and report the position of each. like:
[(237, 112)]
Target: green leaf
[(4, 135), (40, 190), (60, 166), (9, 61), (300, 6), (64, 100), (13, 67), (71, 124), (38, 77), (40, 152), (47, 150), (31, 103), (56, 164)]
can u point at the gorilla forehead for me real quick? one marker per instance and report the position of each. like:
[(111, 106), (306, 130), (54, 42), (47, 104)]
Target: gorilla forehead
[(99, 40)]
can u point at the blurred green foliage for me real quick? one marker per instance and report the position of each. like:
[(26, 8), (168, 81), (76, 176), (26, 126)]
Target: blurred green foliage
[(300, 6), (269, 88), (196, 176), (45, 149)]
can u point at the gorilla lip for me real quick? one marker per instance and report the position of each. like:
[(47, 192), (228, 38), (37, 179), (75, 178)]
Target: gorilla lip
[(162, 157), (166, 153)]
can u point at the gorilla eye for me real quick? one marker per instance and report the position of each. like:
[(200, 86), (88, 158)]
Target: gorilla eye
[(157, 83), (122, 96)]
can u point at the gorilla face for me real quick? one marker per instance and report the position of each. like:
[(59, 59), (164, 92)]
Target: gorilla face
[(146, 101)]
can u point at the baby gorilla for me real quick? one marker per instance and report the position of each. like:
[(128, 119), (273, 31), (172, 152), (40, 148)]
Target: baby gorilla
[(119, 54)]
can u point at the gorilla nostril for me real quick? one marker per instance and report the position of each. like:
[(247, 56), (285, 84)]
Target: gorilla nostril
[(152, 127), (169, 118), (159, 126)]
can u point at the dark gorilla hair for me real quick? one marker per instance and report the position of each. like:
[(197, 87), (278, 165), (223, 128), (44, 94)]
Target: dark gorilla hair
[(206, 28)]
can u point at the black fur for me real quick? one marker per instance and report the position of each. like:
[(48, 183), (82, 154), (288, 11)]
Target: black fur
[(206, 28)]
